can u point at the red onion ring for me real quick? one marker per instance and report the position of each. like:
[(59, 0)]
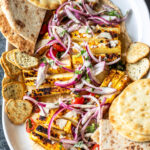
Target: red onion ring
[(114, 62)]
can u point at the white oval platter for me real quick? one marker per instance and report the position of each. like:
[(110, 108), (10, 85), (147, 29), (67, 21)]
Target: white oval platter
[(138, 25)]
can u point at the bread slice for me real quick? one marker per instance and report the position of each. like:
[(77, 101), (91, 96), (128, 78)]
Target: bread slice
[(7, 80), (13, 90), (137, 51), (18, 111), (12, 69), (25, 61), (138, 70), (11, 57)]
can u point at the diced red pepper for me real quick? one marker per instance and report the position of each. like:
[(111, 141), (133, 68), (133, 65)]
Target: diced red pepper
[(78, 100), (44, 29)]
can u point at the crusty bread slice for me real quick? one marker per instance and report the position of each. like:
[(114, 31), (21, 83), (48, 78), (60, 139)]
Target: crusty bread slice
[(138, 70), (7, 80), (137, 51), (13, 90), (25, 61), (11, 57), (12, 69), (18, 111)]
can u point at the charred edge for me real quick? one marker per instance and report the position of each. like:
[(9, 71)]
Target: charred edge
[(44, 140)]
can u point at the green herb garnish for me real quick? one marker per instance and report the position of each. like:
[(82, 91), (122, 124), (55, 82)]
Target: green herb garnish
[(79, 144), (87, 30), (77, 95), (63, 33), (113, 13), (44, 60), (91, 128), (78, 72), (30, 124), (60, 148), (59, 54)]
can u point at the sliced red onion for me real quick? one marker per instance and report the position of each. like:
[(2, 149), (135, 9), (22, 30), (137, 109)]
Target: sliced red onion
[(49, 27), (68, 141), (61, 6), (87, 116), (70, 82), (68, 48), (114, 62), (90, 85), (90, 53), (100, 20), (104, 109), (103, 91), (74, 28), (77, 4), (98, 68), (91, 11), (77, 11), (53, 57), (67, 69), (52, 119), (83, 106), (41, 74), (85, 126), (50, 43), (71, 15), (76, 130), (93, 99), (92, 77), (34, 101), (55, 34)]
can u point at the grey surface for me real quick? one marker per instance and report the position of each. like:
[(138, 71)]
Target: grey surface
[(3, 143)]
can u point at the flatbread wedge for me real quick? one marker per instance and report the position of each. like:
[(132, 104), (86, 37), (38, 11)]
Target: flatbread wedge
[(19, 25), (48, 4)]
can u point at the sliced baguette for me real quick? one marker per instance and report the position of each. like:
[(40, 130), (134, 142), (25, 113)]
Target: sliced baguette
[(25, 61), (7, 80), (18, 111), (11, 57), (12, 69), (137, 51), (13, 90), (138, 70)]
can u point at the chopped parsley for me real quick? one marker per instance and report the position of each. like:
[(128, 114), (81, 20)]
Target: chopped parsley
[(87, 30), (81, 53), (52, 38), (77, 95), (78, 72), (60, 148), (44, 60), (79, 144), (93, 89), (59, 54), (91, 128), (113, 13), (63, 33), (30, 124)]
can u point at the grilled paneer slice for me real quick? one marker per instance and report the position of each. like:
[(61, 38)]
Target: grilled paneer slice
[(50, 79), (45, 142), (105, 31), (46, 91), (116, 79)]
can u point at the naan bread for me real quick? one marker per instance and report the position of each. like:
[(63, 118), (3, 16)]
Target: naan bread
[(14, 38), (111, 140), (24, 18), (134, 106), (47, 4)]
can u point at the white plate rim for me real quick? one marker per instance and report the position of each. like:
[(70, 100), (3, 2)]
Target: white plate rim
[(147, 15)]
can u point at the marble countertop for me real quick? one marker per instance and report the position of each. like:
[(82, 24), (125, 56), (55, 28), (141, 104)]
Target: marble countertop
[(3, 143)]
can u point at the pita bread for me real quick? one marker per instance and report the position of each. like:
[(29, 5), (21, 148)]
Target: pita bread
[(14, 38), (47, 4), (24, 18), (111, 140)]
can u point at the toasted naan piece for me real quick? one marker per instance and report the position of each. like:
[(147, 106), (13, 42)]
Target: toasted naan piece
[(14, 38), (111, 140), (122, 128), (24, 18), (47, 4), (133, 106)]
